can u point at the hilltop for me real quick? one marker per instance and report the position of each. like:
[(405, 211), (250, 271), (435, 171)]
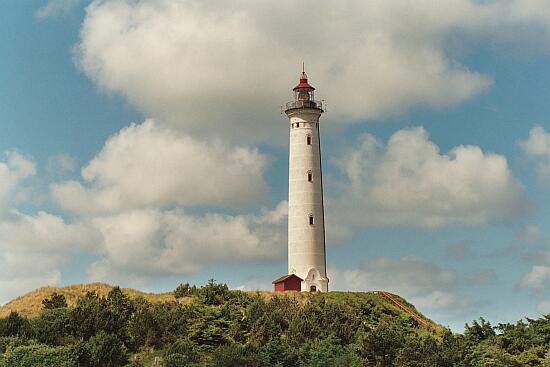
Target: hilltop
[(98, 325), (30, 304)]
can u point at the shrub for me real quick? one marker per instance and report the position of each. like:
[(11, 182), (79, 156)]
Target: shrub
[(182, 350), (53, 326), (213, 293), (55, 301), (15, 325), (185, 290), (106, 350), (39, 355)]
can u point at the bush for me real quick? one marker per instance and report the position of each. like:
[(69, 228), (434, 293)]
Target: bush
[(107, 350), (39, 355), (15, 325), (181, 352), (55, 301), (11, 342), (235, 355), (185, 290), (214, 294), (53, 326), (328, 352)]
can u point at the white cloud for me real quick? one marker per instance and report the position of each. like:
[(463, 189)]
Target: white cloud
[(22, 272), (149, 242), (223, 68), (408, 275), (422, 283), (408, 182), (149, 165), (33, 248), (45, 232), (537, 277), (537, 146), (13, 171), (56, 8)]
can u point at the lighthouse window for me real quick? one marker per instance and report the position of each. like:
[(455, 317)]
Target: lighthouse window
[(308, 140), (311, 222), (309, 176)]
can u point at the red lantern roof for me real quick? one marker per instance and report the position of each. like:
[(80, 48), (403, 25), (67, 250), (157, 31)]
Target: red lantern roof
[(303, 83)]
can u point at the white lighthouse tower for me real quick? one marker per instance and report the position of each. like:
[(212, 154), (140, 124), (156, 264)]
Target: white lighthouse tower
[(306, 222)]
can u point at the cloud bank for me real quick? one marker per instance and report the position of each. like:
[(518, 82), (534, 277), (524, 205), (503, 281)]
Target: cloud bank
[(223, 69), (409, 182), (148, 165)]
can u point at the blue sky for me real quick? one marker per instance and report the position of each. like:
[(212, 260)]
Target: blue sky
[(142, 145)]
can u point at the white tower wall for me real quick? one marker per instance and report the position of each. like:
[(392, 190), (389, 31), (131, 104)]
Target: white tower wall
[(306, 242)]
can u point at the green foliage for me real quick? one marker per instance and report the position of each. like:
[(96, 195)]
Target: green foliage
[(185, 290), (181, 353), (39, 355), (231, 328), (479, 331), (53, 326), (328, 352), (418, 351), (546, 362), (15, 325), (11, 342), (55, 301), (235, 355), (278, 353), (106, 350), (380, 345), (214, 293)]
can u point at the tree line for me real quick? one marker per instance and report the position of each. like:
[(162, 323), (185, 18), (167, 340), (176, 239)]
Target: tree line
[(222, 328)]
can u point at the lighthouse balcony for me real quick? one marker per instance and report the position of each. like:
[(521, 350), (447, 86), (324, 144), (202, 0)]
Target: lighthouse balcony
[(304, 104)]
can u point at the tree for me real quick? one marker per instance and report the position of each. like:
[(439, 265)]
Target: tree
[(15, 325), (234, 355), (55, 301), (181, 353), (106, 350), (185, 290), (417, 352), (143, 327), (379, 346), (214, 294), (53, 326), (278, 353), (479, 331), (328, 352)]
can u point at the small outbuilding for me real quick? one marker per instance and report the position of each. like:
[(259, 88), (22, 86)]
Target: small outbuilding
[(290, 282)]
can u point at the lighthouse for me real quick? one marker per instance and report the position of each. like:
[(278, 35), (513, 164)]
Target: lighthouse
[(306, 222)]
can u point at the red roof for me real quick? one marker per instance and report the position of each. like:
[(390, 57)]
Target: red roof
[(283, 278), (303, 83)]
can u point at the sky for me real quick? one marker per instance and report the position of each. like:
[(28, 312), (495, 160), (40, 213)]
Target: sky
[(141, 144)]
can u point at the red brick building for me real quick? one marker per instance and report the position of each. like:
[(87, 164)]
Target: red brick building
[(289, 282)]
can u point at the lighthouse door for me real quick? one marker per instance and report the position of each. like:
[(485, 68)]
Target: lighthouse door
[(313, 288)]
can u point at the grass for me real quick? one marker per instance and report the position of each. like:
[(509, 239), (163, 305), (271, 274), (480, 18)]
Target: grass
[(30, 304)]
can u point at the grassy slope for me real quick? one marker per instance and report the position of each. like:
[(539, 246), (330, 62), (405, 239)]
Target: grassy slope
[(30, 304)]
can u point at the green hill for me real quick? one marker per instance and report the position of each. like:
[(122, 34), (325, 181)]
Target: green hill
[(97, 325), (30, 304)]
